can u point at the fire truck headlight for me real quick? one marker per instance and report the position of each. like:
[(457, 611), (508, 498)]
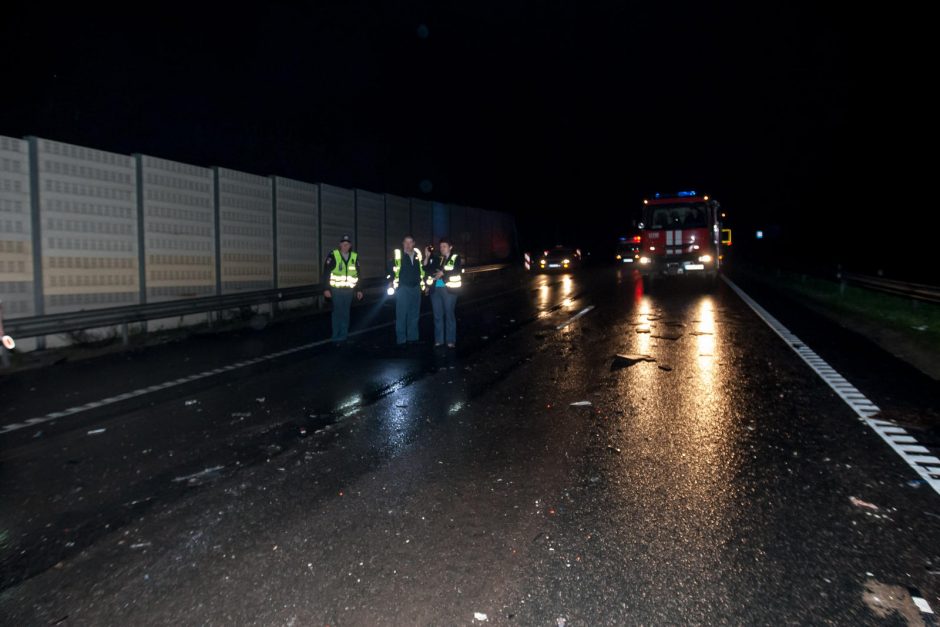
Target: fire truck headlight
[(705, 258), (390, 291), (644, 260)]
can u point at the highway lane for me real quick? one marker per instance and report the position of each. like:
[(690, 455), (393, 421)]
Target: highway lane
[(717, 480)]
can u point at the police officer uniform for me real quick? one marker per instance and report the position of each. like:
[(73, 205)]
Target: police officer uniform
[(343, 272)]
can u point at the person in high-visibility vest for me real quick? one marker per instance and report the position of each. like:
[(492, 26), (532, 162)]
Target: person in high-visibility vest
[(445, 278), (406, 278), (342, 268)]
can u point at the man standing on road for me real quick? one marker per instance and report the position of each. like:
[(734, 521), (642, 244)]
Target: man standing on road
[(407, 277), (445, 281), (342, 266)]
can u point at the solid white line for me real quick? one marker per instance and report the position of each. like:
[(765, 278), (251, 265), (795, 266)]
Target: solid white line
[(863, 407)]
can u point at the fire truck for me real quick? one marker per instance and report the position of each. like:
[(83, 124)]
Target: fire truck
[(680, 235)]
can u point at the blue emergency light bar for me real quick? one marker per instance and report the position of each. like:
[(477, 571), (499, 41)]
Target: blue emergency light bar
[(687, 194)]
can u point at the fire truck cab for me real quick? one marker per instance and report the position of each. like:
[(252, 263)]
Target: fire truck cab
[(680, 236)]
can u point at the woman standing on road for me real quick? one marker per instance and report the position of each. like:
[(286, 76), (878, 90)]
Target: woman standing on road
[(444, 277)]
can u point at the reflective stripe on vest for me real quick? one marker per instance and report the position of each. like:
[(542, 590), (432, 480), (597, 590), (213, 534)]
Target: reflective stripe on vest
[(397, 266), (454, 281), (343, 274)]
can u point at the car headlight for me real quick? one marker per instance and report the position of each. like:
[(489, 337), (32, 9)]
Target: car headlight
[(644, 260), (566, 261), (619, 257), (705, 258)]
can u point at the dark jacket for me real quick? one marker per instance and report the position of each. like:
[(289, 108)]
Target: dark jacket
[(410, 273), (437, 262)]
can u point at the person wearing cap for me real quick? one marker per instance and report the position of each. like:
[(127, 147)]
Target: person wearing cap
[(342, 266), (406, 277), (444, 277)]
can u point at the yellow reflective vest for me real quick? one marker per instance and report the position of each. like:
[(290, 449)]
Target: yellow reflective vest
[(344, 274)]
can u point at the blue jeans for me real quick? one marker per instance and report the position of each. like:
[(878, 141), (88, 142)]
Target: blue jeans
[(342, 301), (443, 303), (407, 310)]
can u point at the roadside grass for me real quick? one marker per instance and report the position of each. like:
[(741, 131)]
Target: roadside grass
[(916, 320)]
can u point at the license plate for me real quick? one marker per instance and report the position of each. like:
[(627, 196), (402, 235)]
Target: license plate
[(554, 265), (695, 266)]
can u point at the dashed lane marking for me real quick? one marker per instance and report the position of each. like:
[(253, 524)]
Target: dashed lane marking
[(902, 442), (32, 422), (575, 317)]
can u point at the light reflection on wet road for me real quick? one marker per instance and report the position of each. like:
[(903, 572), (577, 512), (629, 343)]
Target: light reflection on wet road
[(708, 484)]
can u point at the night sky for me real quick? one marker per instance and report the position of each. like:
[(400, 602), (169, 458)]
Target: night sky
[(798, 118)]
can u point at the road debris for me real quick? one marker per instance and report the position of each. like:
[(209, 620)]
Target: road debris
[(672, 337), (480, 616), (665, 367), (196, 477), (864, 504), (191, 402), (626, 360), (96, 431), (643, 328), (580, 404), (261, 399)]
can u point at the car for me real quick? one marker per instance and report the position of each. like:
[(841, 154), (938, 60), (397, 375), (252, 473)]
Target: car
[(628, 250), (559, 259)]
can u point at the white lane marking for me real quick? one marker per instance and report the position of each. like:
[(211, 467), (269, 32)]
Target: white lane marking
[(16, 426), (896, 437), (575, 317)]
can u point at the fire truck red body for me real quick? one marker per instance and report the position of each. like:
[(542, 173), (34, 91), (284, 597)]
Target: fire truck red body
[(680, 236)]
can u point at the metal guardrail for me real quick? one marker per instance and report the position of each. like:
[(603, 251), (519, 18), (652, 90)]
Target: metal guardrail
[(917, 291), (53, 324)]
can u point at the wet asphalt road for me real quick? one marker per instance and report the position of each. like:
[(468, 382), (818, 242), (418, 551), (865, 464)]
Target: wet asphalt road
[(364, 485)]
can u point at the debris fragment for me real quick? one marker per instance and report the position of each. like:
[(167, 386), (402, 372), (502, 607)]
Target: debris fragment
[(140, 545), (613, 449), (665, 367), (191, 402), (260, 399), (627, 360), (865, 504), (196, 476), (480, 616), (581, 404), (643, 328), (241, 414), (96, 431), (671, 336)]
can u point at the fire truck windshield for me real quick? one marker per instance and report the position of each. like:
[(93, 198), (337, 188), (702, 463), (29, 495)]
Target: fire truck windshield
[(687, 216)]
